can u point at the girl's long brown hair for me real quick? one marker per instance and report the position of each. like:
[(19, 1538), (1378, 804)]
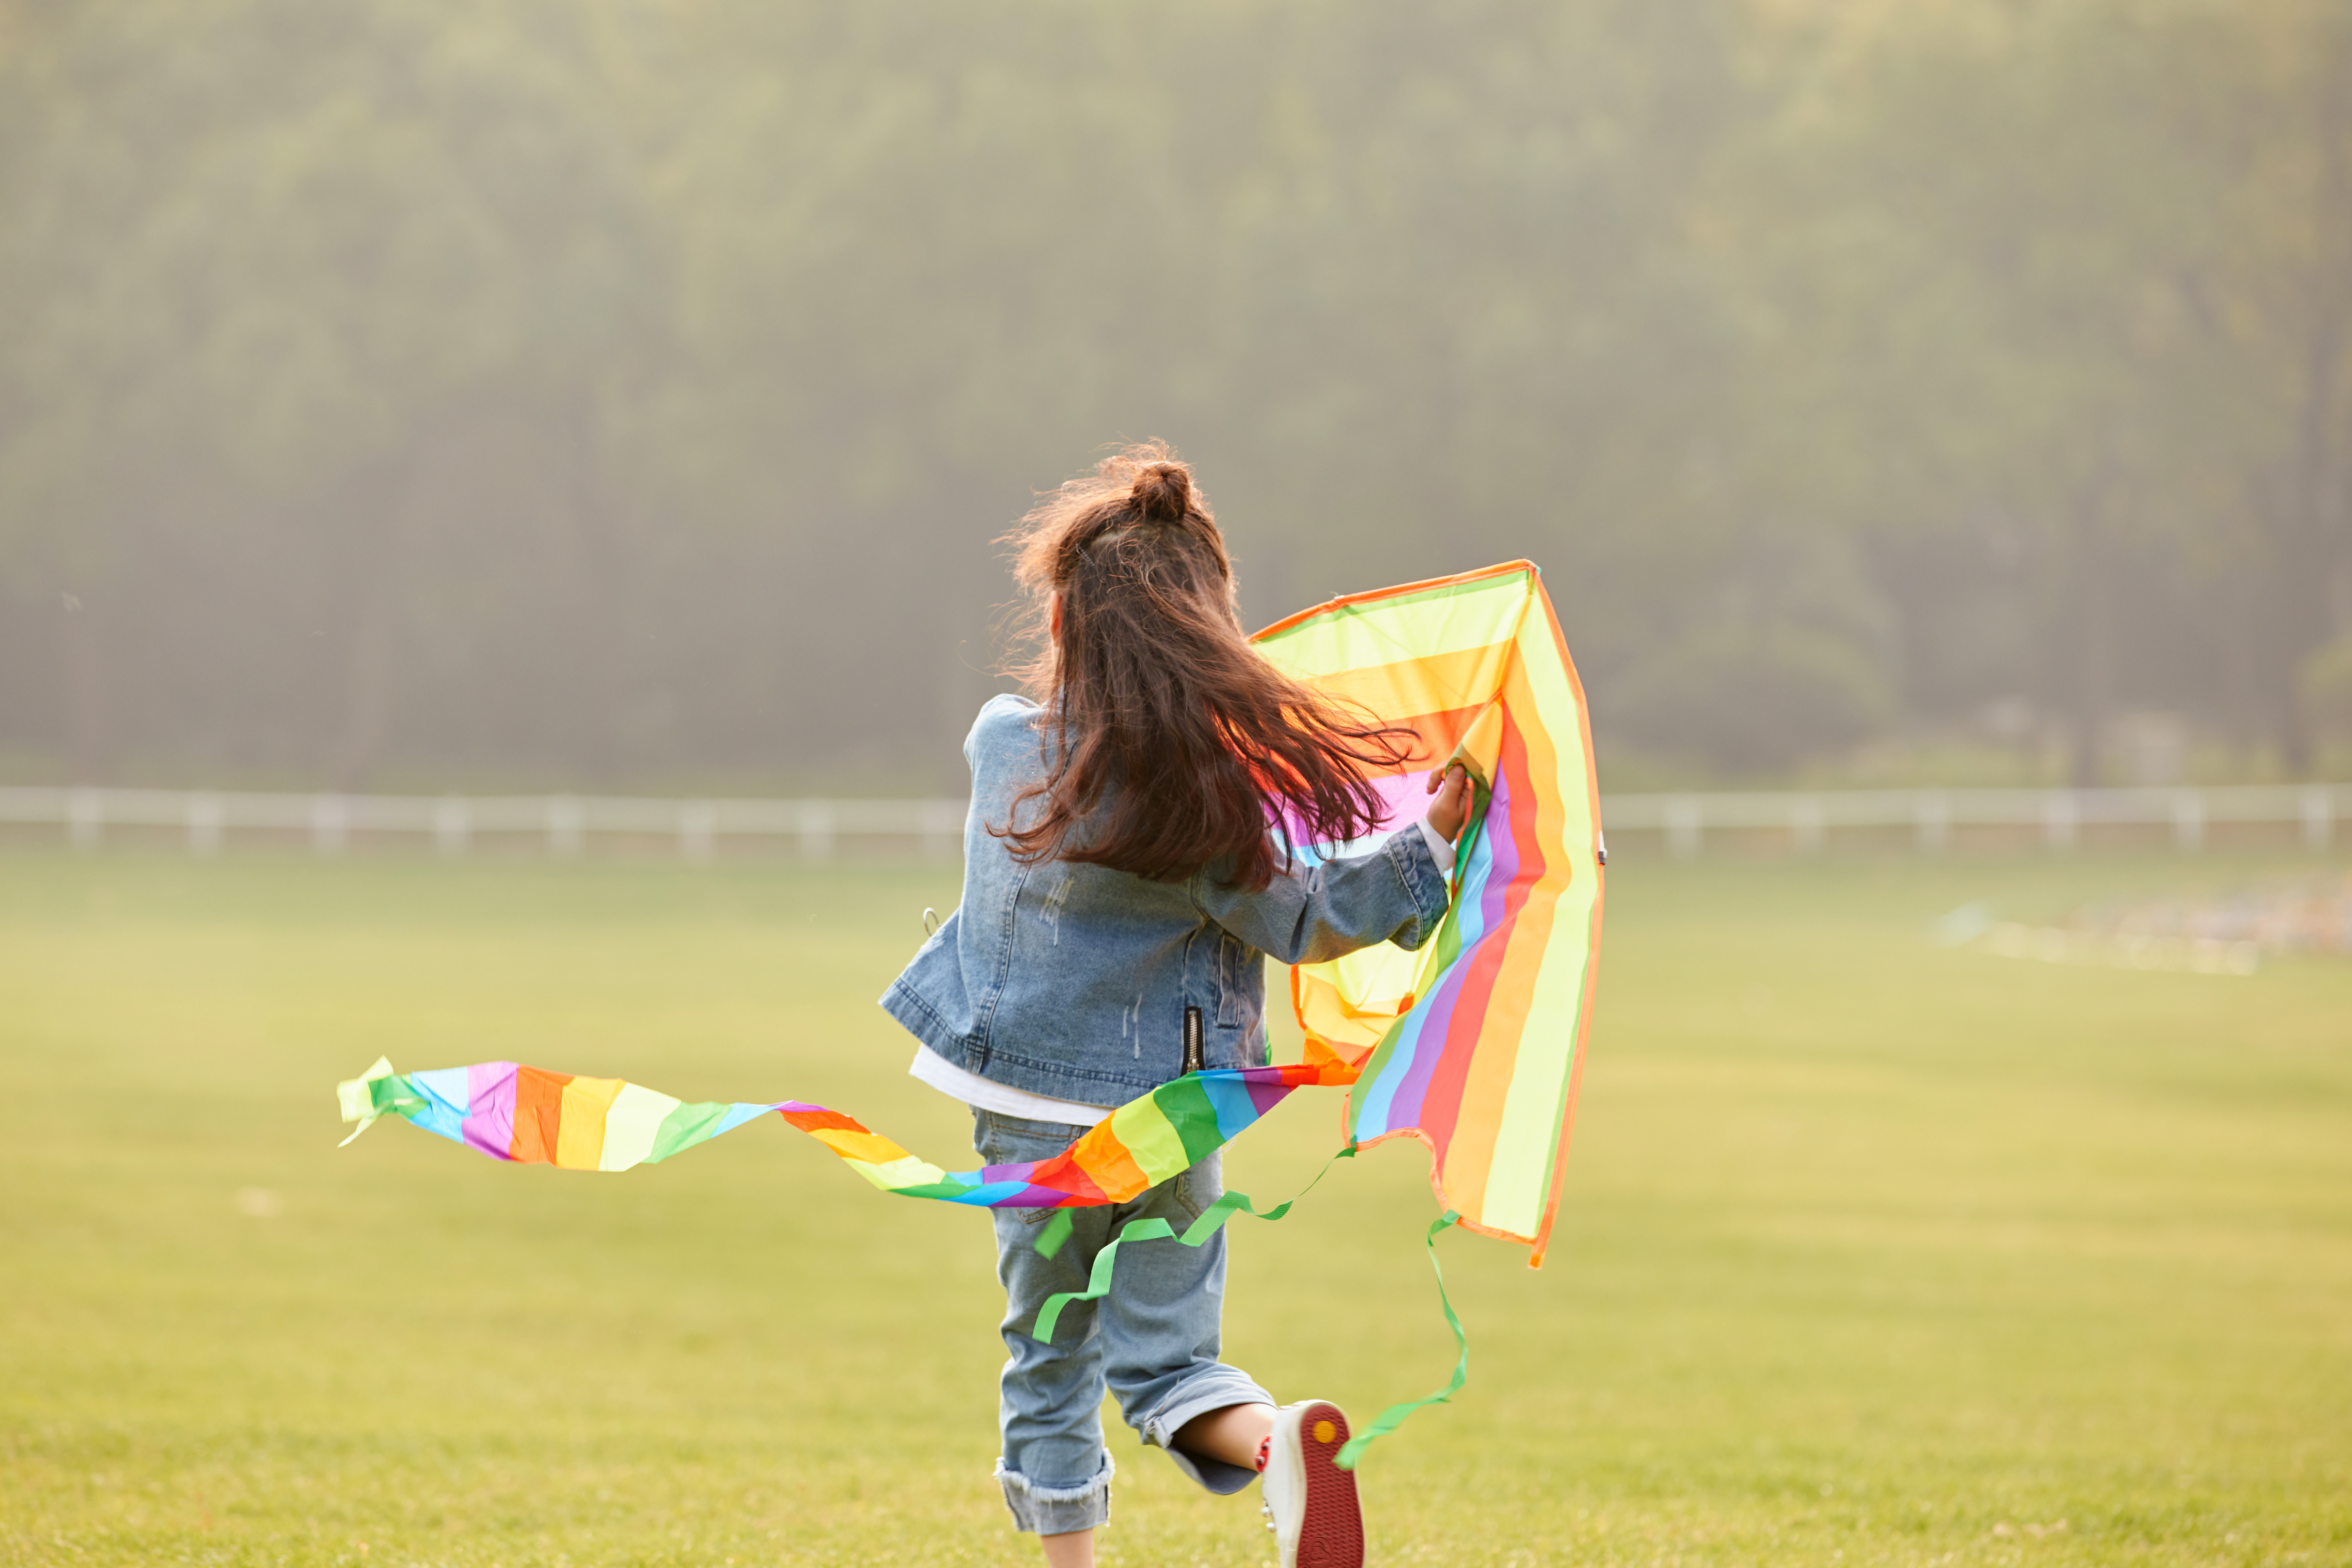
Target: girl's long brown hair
[(1170, 742)]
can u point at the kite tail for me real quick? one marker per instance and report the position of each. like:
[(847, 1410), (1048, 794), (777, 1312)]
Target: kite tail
[(531, 1116), (535, 1116)]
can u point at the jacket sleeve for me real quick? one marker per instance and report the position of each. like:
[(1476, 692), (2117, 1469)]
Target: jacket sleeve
[(1307, 916), (1001, 718)]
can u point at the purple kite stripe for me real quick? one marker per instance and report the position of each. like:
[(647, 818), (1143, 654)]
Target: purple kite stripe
[(1267, 1095), (489, 1108), (1001, 1195), (1403, 798), (1015, 1192)]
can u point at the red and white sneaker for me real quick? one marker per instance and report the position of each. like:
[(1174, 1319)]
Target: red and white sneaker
[(1311, 1500)]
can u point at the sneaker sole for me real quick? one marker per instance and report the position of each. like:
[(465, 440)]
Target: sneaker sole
[(1331, 1530)]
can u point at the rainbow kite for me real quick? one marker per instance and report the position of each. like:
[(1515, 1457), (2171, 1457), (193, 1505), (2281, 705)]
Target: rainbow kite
[(1473, 1043)]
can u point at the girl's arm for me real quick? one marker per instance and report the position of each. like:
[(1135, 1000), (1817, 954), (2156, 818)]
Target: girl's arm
[(1398, 893)]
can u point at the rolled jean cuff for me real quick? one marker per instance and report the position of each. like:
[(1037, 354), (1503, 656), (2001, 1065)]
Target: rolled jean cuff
[(1217, 1387), (1056, 1510)]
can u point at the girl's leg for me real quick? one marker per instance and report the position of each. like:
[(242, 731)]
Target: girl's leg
[(1054, 1469), (1161, 1338), (1233, 1434)]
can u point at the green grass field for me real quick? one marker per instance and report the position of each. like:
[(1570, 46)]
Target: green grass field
[(1870, 1252)]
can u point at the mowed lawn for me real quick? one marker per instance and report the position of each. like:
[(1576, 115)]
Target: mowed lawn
[(1870, 1252)]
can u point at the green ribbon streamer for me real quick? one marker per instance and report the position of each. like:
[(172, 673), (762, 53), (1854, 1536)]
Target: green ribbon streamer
[(1392, 1418), (1057, 1231), (1212, 1219), (1098, 1283)]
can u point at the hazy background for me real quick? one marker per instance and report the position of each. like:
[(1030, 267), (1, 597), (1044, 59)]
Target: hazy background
[(626, 393)]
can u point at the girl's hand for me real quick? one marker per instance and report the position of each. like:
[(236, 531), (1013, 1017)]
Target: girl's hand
[(1452, 807)]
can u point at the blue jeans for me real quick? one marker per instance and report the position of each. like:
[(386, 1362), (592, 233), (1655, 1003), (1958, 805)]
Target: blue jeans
[(1152, 1341)]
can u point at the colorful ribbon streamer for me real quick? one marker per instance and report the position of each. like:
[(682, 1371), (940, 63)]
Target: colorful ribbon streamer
[(531, 1116)]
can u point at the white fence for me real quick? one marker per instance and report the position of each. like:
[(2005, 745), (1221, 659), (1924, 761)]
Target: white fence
[(565, 825), (2058, 818)]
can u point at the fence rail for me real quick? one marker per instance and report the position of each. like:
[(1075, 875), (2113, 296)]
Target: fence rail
[(2058, 816), (566, 824)]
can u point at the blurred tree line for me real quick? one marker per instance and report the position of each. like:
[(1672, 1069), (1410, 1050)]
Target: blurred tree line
[(629, 391)]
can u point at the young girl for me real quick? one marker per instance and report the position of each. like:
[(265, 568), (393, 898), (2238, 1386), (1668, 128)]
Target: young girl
[(1126, 872)]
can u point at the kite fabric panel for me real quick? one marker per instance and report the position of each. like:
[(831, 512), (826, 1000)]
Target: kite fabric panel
[(1475, 1043)]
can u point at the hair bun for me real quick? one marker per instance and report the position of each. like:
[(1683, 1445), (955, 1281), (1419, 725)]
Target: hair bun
[(1162, 492)]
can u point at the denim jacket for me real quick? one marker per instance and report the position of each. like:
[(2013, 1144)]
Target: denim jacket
[(1072, 981)]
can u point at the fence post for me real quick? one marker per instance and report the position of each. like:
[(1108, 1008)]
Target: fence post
[(1807, 826), (453, 825), (816, 829), (2318, 816), (331, 823), (1933, 814), (698, 829), (565, 823), (2060, 815), (1685, 821), (204, 817), (86, 818), (2187, 821)]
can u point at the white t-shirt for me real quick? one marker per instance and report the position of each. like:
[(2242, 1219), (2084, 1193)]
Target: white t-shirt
[(982, 1094)]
